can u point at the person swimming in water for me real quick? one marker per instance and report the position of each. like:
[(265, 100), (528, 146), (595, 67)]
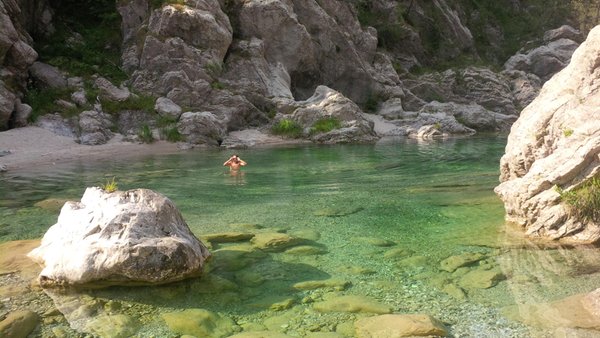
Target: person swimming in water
[(234, 163)]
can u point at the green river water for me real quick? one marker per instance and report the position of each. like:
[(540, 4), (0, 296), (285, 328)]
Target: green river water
[(377, 219)]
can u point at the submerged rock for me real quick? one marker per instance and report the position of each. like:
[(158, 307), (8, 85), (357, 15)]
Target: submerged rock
[(395, 326), (352, 304), (334, 283), (452, 263), (261, 334), (580, 311), (273, 241), (200, 323), (19, 324), (113, 326), (132, 237)]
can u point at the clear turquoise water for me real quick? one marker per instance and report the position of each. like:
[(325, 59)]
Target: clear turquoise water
[(434, 199)]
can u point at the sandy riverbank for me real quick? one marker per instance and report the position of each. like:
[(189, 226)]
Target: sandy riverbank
[(30, 147)]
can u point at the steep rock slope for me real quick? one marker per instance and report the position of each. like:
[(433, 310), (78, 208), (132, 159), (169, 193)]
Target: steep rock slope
[(553, 152)]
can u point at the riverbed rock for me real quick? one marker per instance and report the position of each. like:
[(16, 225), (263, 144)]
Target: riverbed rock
[(452, 263), (261, 334), (555, 143), (58, 125), (332, 283), (577, 311), (481, 279), (124, 237), (200, 323), (19, 324), (21, 115), (397, 325), (116, 325), (273, 241), (351, 303)]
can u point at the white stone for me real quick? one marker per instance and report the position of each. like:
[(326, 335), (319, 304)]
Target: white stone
[(124, 237)]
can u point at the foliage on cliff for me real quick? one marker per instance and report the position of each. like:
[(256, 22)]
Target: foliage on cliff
[(87, 40)]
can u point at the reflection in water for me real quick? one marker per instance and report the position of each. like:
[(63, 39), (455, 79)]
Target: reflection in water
[(236, 177), (415, 227)]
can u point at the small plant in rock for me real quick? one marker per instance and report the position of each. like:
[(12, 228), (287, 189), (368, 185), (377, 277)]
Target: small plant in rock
[(567, 132), (583, 201), (325, 125), (288, 128), (110, 186), (145, 134), (217, 85)]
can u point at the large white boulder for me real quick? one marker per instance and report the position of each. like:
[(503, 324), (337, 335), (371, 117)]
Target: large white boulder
[(119, 238), (555, 144)]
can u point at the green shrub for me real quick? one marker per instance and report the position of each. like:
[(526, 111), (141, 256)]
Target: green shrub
[(217, 85), (139, 102), (145, 134), (287, 127), (42, 101), (371, 104), (325, 125), (110, 186), (171, 134), (98, 52), (584, 201), (165, 121)]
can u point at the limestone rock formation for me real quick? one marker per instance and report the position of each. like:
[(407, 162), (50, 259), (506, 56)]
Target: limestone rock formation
[(544, 61), (124, 238), (17, 20), (327, 103), (470, 85), (555, 144), (94, 127)]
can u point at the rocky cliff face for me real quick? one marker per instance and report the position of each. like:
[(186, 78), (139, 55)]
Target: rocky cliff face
[(553, 152), (18, 18), (241, 64)]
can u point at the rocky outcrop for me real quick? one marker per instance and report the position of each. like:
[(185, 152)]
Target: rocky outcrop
[(470, 85), (546, 60), (18, 18), (165, 54), (94, 127), (327, 103), (201, 128), (554, 146), (125, 238)]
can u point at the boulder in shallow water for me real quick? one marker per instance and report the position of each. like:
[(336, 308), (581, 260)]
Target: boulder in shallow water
[(200, 323), (395, 326), (19, 324), (124, 237)]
